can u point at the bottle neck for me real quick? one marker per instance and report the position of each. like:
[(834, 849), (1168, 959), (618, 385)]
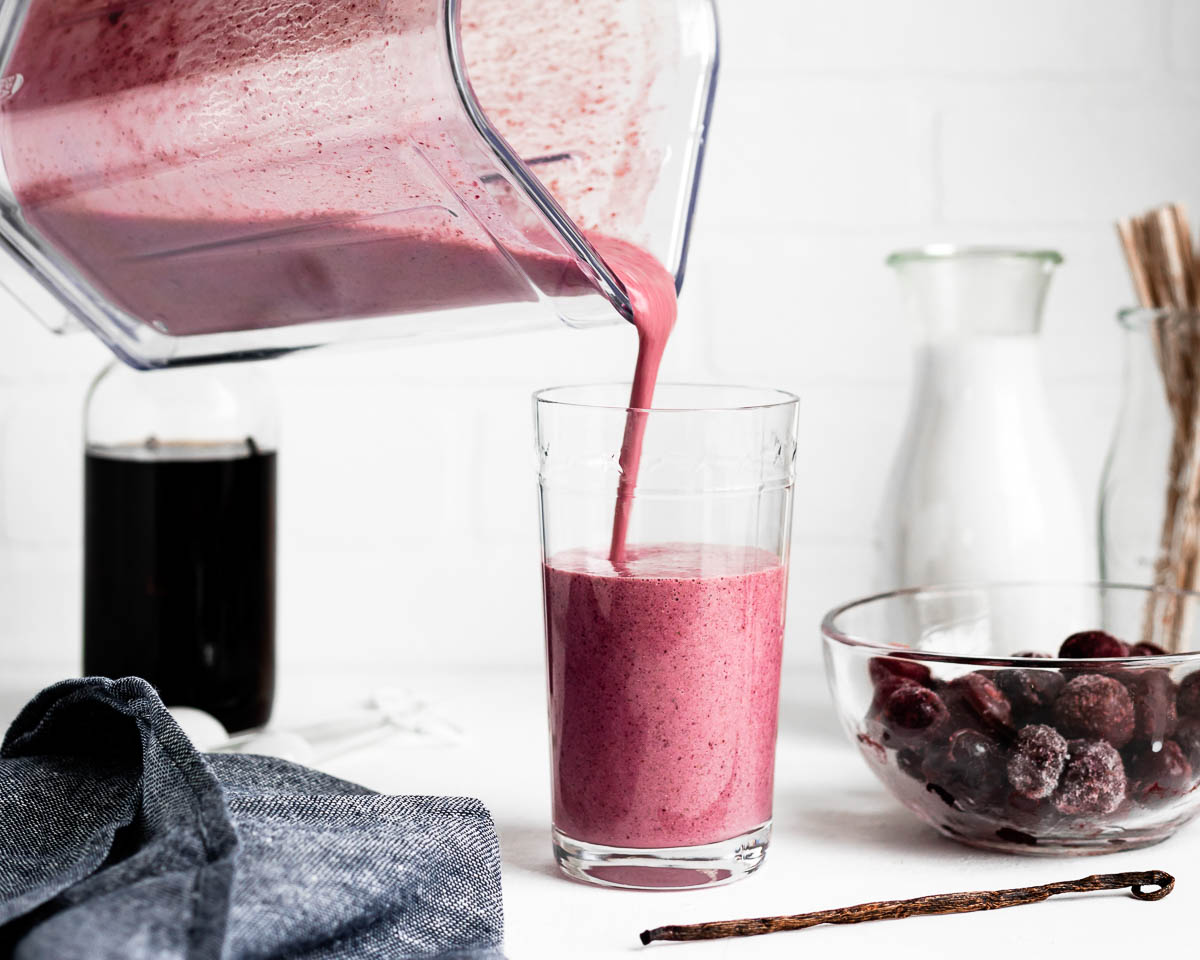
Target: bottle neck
[(974, 292)]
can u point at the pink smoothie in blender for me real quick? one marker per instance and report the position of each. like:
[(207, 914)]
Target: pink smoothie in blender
[(219, 166)]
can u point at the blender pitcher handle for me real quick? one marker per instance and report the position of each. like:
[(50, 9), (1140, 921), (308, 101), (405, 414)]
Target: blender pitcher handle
[(669, 240)]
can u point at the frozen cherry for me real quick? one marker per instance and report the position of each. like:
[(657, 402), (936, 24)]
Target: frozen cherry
[(1153, 694), (1092, 644), (975, 698), (1187, 735), (912, 714), (1037, 760), (1093, 707), (1147, 650), (1188, 698), (883, 690), (970, 768), (1031, 692), (1093, 779), (1160, 775), (883, 669)]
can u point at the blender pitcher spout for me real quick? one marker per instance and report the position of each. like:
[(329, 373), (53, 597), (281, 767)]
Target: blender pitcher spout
[(685, 62)]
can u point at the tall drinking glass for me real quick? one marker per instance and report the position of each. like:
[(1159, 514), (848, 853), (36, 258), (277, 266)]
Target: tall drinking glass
[(664, 668)]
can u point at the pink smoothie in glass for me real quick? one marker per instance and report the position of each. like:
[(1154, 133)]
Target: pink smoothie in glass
[(664, 690)]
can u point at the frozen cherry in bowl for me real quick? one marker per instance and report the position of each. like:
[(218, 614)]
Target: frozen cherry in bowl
[(1187, 735), (1187, 699), (1157, 775), (1030, 692), (1093, 750), (969, 768), (1093, 779), (1036, 762), (976, 701), (913, 714), (1092, 706), (884, 688), (887, 669), (1092, 645), (1154, 703), (1146, 649)]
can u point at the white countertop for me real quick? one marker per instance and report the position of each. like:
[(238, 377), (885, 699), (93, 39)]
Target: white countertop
[(839, 839)]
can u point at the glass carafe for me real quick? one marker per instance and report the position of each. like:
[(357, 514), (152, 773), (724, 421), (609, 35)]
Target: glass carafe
[(238, 178), (980, 489)]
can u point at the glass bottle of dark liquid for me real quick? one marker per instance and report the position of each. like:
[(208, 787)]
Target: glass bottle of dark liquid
[(179, 536)]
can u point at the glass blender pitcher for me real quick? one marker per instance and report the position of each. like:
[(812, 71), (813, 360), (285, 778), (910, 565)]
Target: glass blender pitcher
[(227, 179)]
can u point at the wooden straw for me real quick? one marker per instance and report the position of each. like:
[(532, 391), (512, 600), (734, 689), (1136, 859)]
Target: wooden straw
[(1165, 271), (1177, 277), (1188, 256), (1135, 257)]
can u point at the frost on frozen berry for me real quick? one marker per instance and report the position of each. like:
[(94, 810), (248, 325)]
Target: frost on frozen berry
[(1093, 780), (913, 714), (1156, 776), (1188, 698), (1153, 693), (883, 669), (1037, 760), (1093, 707), (970, 767), (1092, 644), (974, 698), (1031, 692)]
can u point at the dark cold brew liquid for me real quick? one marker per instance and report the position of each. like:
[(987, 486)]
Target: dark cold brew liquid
[(179, 574)]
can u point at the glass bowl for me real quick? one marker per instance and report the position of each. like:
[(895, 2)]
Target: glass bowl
[(1033, 754)]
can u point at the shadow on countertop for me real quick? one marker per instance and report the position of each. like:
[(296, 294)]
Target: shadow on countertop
[(527, 847), (860, 818)]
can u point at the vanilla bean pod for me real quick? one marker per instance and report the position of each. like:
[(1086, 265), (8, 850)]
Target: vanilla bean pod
[(921, 907)]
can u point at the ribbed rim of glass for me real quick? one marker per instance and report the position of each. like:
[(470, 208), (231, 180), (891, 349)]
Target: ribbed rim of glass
[(1139, 318), (949, 251), (769, 398), (833, 634)]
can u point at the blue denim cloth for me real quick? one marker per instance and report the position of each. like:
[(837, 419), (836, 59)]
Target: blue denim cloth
[(118, 840)]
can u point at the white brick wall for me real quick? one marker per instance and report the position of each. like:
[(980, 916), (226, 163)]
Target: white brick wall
[(843, 131), (1013, 39)]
